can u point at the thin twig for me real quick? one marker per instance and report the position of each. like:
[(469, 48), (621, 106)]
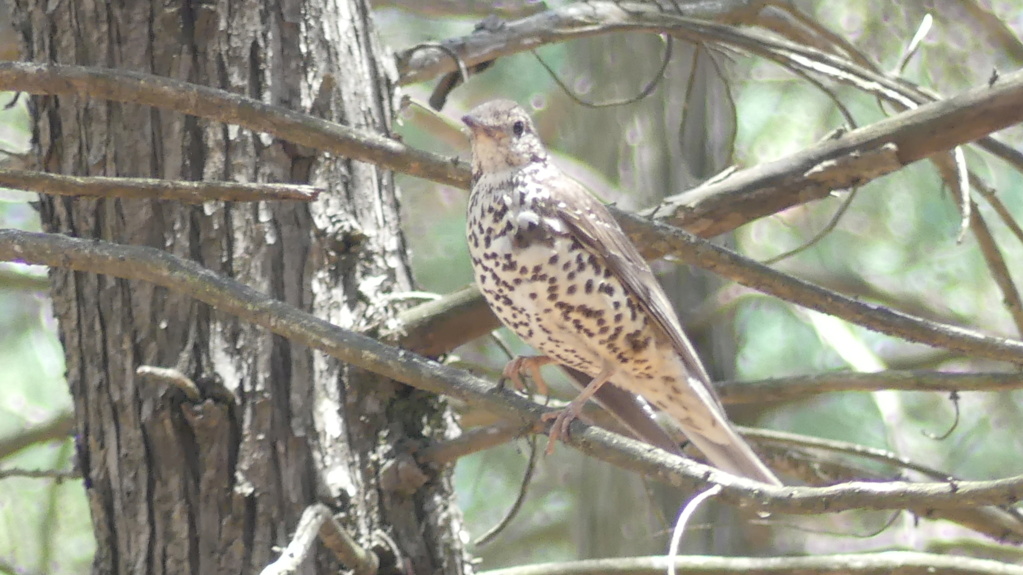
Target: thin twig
[(832, 446), (509, 516), (801, 387), (820, 235), (999, 269), (318, 521), (55, 474), (998, 206), (830, 38), (961, 186), (646, 91), (954, 398), (914, 44)]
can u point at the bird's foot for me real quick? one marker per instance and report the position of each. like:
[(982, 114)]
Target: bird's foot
[(532, 363), (563, 418)]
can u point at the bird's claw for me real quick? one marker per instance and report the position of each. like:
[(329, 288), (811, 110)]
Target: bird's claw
[(563, 418), (514, 368)]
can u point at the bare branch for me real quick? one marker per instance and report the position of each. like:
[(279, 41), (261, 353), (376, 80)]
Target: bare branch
[(801, 387), (227, 295), (901, 562), (57, 429), (469, 442), (853, 159), (998, 266), (151, 189), (18, 279), (845, 162), (571, 21), (55, 474), (745, 271), (222, 106), (317, 520), (437, 327)]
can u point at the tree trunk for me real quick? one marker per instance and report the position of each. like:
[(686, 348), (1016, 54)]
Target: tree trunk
[(211, 486)]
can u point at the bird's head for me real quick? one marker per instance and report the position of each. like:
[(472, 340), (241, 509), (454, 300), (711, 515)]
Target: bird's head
[(503, 137)]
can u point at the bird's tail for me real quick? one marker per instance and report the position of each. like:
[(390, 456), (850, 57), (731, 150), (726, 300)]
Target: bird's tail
[(698, 413), (735, 456)]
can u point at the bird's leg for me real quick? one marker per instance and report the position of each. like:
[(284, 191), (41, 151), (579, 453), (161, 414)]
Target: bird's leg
[(533, 363), (563, 418)]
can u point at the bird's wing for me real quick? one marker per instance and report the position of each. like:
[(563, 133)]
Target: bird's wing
[(592, 225), (630, 409)]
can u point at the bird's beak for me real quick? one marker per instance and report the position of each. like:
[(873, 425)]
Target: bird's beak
[(470, 120)]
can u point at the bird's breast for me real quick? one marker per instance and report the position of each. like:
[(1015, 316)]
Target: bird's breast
[(548, 288)]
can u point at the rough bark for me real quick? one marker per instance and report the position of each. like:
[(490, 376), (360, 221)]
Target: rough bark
[(178, 486)]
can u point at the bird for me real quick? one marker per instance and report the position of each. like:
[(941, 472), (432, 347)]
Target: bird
[(559, 272)]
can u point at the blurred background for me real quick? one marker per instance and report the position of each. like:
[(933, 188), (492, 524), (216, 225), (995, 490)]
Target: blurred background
[(893, 241)]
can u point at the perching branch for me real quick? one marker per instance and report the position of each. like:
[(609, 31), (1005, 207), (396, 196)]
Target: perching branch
[(227, 295)]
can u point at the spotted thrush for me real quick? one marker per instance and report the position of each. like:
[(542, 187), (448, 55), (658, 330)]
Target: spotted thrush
[(558, 271)]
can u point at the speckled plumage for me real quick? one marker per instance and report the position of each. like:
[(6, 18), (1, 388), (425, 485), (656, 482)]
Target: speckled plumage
[(559, 272)]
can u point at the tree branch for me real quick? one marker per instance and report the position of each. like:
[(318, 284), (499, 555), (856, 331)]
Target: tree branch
[(222, 106), (161, 268), (152, 189), (728, 264), (318, 521), (57, 429), (981, 113), (901, 562), (664, 239), (568, 22), (801, 387)]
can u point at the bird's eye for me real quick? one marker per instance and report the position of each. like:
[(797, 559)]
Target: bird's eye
[(518, 128)]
